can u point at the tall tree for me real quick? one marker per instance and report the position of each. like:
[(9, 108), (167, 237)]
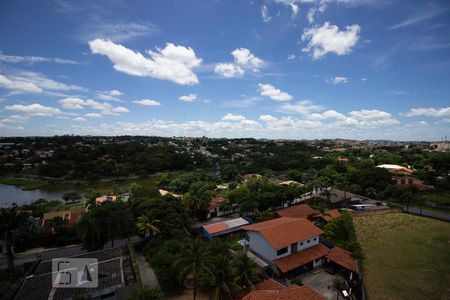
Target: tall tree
[(194, 260), (10, 221), (221, 276), (246, 270), (146, 225), (198, 198)]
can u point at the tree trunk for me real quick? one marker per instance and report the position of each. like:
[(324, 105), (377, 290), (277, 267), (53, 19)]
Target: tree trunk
[(10, 256)]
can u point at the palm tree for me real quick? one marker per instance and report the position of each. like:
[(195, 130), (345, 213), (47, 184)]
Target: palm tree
[(10, 220), (198, 198), (93, 229), (222, 276), (246, 269), (147, 226), (193, 260)]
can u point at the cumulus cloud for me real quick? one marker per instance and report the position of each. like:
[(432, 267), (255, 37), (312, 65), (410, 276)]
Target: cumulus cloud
[(273, 93), (147, 102), (188, 98), (372, 117), (267, 118), (112, 95), (337, 80), (428, 112), (18, 85), (291, 56), (329, 114), (173, 63), (93, 115), (105, 108), (244, 56), (34, 109), (329, 39), (228, 70), (232, 117)]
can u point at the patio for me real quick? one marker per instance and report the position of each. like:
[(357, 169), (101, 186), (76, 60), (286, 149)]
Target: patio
[(321, 282)]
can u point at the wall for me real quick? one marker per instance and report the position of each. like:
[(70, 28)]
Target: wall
[(306, 244), (260, 246)]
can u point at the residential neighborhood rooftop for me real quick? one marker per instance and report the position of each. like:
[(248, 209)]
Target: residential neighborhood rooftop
[(294, 292), (282, 232), (301, 258), (297, 211)]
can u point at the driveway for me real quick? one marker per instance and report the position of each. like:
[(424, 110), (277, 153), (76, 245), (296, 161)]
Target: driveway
[(321, 282)]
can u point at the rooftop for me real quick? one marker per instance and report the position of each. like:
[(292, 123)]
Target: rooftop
[(343, 258), (294, 292), (297, 211), (301, 258), (282, 232)]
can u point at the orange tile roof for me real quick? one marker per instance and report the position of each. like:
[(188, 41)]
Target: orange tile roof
[(297, 211), (343, 258), (215, 202), (282, 232), (102, 199), (269, 284), (294, 292), (213, 228), (330, 215), (301, 258)]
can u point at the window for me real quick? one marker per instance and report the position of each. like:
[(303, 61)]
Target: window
[(308, 241), (315, 239), (282, 251), (317, 261), (301, 244)]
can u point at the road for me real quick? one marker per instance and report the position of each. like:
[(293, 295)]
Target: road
[(428, 213), (56, 253)]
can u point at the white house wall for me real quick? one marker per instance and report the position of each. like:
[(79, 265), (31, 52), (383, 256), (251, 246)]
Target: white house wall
[(259, 245)]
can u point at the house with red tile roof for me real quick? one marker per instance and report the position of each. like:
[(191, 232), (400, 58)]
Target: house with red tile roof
[(213, 230), (297, 211), (214, 209), (70, 216), (105, 198), (413, 182), (327, 216), (289, 245), (343, 259)]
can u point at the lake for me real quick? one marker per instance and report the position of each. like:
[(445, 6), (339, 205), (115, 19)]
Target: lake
[(10, 194)]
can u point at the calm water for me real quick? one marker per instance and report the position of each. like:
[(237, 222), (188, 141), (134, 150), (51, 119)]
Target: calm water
[(11, 193)]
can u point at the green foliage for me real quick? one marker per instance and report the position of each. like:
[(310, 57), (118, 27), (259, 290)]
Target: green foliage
[(229, 172), (147, 293), (162, 258), (341, 232), (297, 281)]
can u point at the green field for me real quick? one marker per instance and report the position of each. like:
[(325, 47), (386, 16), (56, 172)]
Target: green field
[(27, 185), (406, 257), (442, 198)]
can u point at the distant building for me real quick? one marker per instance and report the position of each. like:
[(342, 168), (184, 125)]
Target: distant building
[(413, 182), (440, 146), (71, 217), (105, 198), (211, 231), (215, 210), (396, 169), (297, 211)]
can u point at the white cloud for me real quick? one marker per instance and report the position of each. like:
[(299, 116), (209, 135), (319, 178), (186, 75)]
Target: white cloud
[(291, 56), (371, 118), (310, 15), (243, 56), (228, 70), (93, 115), (105, 108), (72, 103), (173, 63), (188, 98), (428, 112), (34, 109), (18, 85), (267, 118), (79, 119), (329, 114), (273, 93), (116, 31), (147, 102), (303, 107), (43, 82), (426, 12), (337, 80), (329, 39), (232, 117), (291, 3), (35, 59), (265, 13), (112, 95)]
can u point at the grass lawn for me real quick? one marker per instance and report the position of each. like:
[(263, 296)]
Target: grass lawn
[(406, 257), (27, 185)]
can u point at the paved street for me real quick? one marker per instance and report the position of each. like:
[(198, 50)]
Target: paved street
[(428, 213)]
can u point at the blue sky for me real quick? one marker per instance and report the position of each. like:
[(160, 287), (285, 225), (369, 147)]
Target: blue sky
[(294, 69)]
